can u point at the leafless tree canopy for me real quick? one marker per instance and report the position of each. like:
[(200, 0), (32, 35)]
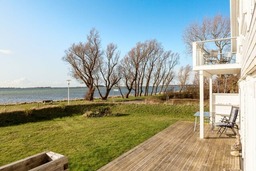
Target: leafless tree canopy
[(85, 60), (108, 75), (146, 69), (148, 64), (210, 28), (183, 76)]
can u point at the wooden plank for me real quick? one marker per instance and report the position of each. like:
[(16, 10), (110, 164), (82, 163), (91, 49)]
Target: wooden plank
[(142, 152), (26, 164), (178, 147), (49, 161), (59, 164), (172, 160), (164, 150)]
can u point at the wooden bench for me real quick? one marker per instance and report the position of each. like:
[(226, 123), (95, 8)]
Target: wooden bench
[(47, 101)]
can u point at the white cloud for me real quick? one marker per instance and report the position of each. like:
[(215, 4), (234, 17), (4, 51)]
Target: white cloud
[(5, 51)]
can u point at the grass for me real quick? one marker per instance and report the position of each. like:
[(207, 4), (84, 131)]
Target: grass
[(36, 105), (91, 143)]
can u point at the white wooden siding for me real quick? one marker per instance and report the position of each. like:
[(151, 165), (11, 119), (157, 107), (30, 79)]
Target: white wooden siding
[(248, 120), (249, 44), (222, 103), (246, 46)]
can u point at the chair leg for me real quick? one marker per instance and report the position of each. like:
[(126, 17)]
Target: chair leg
[(195, 123), (233, 130), (225, 128), (219, 131)]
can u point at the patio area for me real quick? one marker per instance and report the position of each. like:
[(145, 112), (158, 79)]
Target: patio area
[(178, 147)]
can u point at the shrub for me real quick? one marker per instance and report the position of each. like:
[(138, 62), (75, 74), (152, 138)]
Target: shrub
[(48, 113), (100, 112)]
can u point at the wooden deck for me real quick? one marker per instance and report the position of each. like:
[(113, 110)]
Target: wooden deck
[(178, 147)]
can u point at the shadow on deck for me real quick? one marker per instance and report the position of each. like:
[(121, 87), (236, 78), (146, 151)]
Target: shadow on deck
[(178, 147)]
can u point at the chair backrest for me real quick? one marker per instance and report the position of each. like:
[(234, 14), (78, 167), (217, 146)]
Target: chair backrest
[(233, 115)]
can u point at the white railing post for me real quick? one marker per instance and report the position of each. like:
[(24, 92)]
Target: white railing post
[(201, 76), (212, 115), (194, 46)]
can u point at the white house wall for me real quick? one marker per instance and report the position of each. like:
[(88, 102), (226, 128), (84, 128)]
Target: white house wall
[(248, 120), (246, 47), (222, 103), (247, 36)]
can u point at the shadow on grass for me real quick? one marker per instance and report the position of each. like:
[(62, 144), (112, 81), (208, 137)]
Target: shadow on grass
[(44, 114), (120, 115), (111, 115)]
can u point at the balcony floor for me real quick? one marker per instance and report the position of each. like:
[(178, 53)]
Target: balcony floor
[(178, 147), (220, 68)]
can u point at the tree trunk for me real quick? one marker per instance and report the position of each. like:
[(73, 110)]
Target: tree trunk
[(129, 88), (128, 93), (90, 93), (152, 90), (120, 90), (106, 94)]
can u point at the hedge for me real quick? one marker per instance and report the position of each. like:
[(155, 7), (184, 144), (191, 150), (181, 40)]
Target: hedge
[(42, 114)]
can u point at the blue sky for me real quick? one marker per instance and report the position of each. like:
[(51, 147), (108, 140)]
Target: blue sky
[(35, 33)]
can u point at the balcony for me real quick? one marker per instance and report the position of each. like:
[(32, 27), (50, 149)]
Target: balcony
[(216, 56)]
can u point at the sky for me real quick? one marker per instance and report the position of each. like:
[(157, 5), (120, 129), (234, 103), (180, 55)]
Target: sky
[(34, 34)]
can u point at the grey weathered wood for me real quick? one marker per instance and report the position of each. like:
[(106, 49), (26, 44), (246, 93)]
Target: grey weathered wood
[(178, 147), (49, 161)]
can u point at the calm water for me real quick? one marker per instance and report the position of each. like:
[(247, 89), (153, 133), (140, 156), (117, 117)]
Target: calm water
[(20, 95)]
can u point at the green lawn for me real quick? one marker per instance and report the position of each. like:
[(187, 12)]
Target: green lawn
[(90, 143)]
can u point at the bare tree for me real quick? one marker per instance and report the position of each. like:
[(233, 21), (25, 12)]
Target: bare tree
[(85, 59), (214, 28), (147, 63), (173, 60), (227, 83), (119, 83), (132, 65), (127, 72), (138, 57), (163, 73), (194, 89), (141, 58), (154, 53), (108, 75), (158, 73), (183, 76), (211, 28)]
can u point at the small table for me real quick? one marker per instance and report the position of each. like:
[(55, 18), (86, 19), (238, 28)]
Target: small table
[(197, 114)]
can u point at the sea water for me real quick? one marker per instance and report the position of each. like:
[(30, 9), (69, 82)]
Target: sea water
[(22, 95)]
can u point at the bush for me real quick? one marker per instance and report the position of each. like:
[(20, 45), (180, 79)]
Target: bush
[(100, 112), (189, 93), (48, 113)]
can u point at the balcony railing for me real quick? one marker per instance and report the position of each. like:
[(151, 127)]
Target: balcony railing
[(214, 52)]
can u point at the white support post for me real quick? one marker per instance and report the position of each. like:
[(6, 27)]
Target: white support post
[(210, 102), (201, 76), (195, 60)]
